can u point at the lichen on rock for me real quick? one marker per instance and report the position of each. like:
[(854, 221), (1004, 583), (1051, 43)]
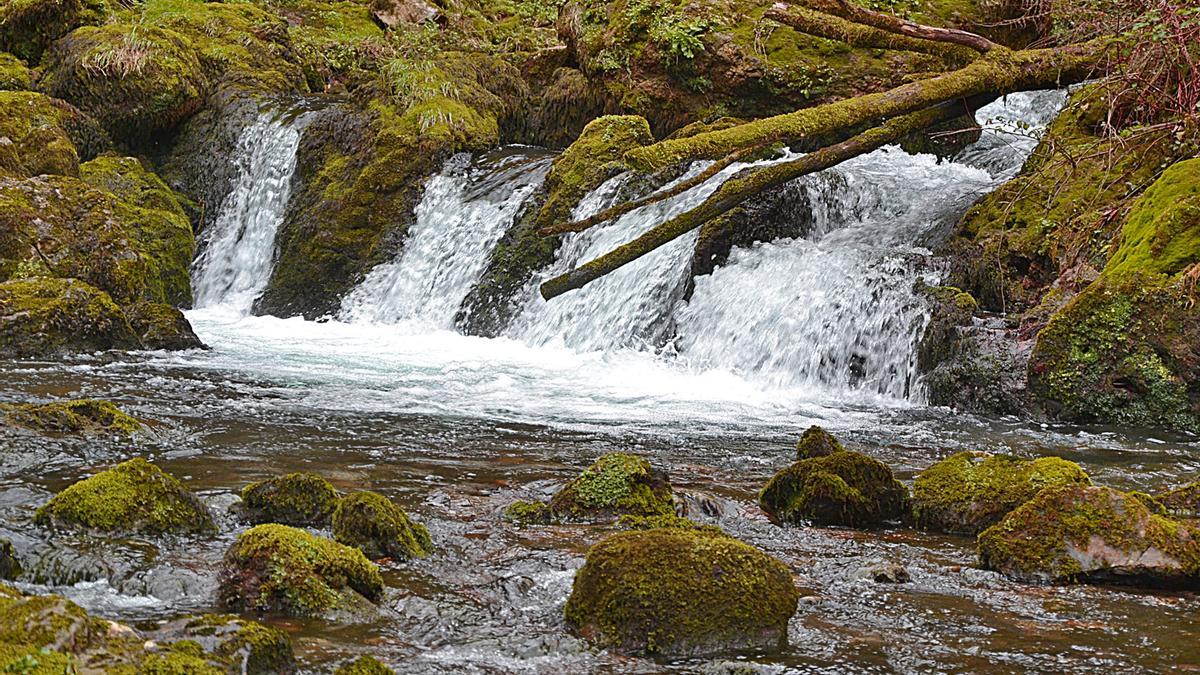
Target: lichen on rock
[(277, 569), (678, 592), (971, 491), (134, 497), (374, 524), (301, 498)]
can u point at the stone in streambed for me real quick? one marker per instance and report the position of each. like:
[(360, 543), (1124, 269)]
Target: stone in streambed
[(617, 484), (300, 498), (680, 592), (970, 491), (364, 665), (79, 416), (374, 524), (843, 488), (816, 442)]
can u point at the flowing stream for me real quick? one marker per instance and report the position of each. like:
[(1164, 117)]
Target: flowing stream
[(816, 329)]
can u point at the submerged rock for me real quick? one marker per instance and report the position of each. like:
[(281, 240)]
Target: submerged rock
[(278, 569), (1095, 535), (374, 524), (364, 665), (969, 492), (73, 417), (617, 484), (682, 593), (134, 497), (45, 317), (816, 442), (301, 498), (845, 488)]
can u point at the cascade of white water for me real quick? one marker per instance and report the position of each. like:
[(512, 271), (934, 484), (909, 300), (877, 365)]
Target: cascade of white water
[(463, 213), (238, 249)]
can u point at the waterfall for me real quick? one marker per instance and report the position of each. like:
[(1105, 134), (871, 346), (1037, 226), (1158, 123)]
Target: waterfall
[(463, 213), (238, 249)]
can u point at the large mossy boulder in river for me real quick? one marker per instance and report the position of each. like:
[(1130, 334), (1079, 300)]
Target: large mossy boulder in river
[(971, 491), (844, 488), (134, 497), (278, 569), (301, 498), (1095, 535), (680, 592), (374, 525), (45, 317), (79, 416), (617, 484)]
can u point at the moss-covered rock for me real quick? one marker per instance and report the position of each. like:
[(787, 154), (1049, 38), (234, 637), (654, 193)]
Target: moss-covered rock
[(617, 484), (845, 488), (14, 75), (27, 27), (374, 524), (44, 136), (161, 326), (593, 158), (680, 592), (816, 442), (970, 491), (1095, 535), (364, 665), (250, 647), (41, 317), (1183, 501), (524, 512), (10, 563), (132, 497), (301, 498), (278, 569), (72, 417)]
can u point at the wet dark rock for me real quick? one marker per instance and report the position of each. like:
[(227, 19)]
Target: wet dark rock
[(79, 416), (616, 485), (969, 492), (1095, 535), (364, 665), (816, 442), (1183, 501), (253, 648), (374, 524), (132, 497), (277, 569), (301, 498), (845, 488), (680, 592), (10, 563), (44, 317), (885, 573)]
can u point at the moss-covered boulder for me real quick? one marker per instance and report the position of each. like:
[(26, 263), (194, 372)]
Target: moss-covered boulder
[(374, 524), (14, 75), (134, 497), (845, 488), (680, 592), (43, 135), (42, 317), (72, 417), (617, 484), (816, 442), (250, 647), (301, 498), (10, 562), (1183, 501), (593, 158), (364, 665), (968, 492), (1095, 535), (278, 569), (27, 27), (161, 326)]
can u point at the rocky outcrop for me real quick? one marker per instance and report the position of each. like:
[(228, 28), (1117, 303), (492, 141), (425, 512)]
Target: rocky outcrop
[(374, 525), (970, 491), (678, 592), (1094, 535), (134, 497), (1183, 501)]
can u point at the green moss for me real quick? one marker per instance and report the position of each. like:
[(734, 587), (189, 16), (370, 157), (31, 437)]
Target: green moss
[(75, 416), (42, 317), (295, 499), (14, 76), (10, 563), (845, 488), (177, 664), (816, 442), (617, 484), (248, 646), (134, 496), (1082, 533), (27, 27), (671, 522), (284, 570), (1182, 501), (364, 665), (161, 326), (1161, 234), (376, 526), (680, 592), (39, 131), (971, 491), (528, 513)]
